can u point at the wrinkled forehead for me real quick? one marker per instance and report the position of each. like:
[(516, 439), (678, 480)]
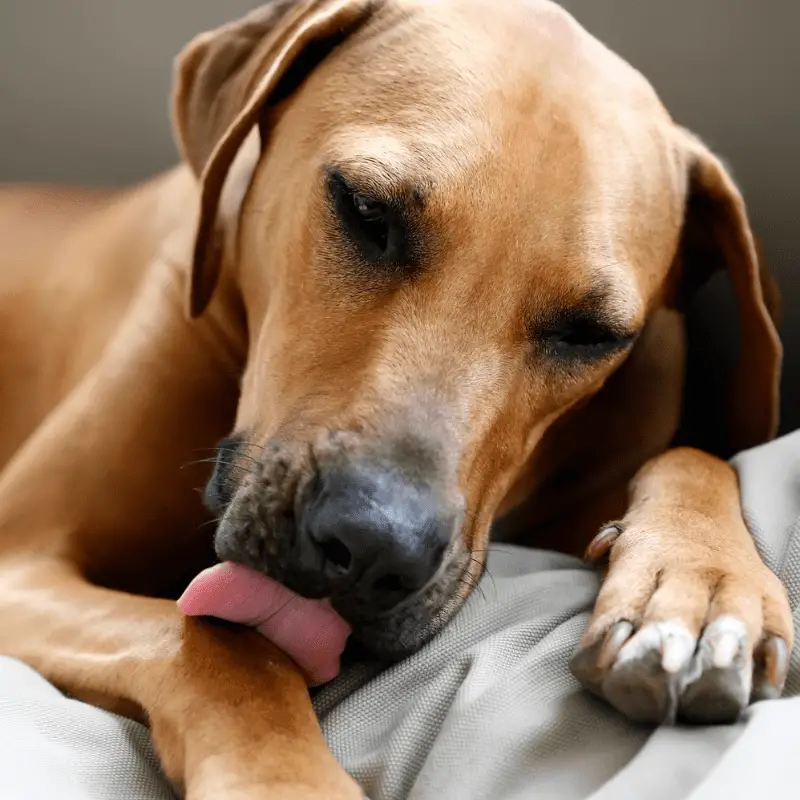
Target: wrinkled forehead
[(510, 113)]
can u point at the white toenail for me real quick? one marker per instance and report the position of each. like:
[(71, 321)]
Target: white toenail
[(725, 650), (678, 646), (670, 638), (726, 635), (642, 642)]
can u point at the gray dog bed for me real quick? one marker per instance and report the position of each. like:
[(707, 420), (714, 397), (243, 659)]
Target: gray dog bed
[(486, 710)]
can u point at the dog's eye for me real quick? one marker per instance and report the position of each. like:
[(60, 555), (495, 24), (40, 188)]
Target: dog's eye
[(373, 226), (370, 210), (584, 339)]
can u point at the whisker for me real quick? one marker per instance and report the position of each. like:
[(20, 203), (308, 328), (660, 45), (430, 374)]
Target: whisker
[(491, 578), (495, 549), (255, 445), (208, 522), (485, 570), (230, 461), (242, 471), (474, 586), (215, 449), (199, 461), (237, 456)]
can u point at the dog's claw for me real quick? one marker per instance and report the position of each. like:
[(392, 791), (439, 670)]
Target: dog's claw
[(613, 643), (717, 686), (771, 669), (590, 663), (725, 650), (600, 546)]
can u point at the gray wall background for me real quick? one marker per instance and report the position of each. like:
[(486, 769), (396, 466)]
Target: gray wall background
[(84, 87)]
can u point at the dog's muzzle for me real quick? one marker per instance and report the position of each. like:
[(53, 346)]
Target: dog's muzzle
[(381, 543)]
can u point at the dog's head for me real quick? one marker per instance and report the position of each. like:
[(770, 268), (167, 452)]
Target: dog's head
[(447, 223)]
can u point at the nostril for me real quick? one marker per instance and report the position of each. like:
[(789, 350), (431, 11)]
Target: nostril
[(337, 554), (390, 584)]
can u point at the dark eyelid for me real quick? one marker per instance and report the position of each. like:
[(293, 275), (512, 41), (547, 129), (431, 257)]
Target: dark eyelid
[(600, 323), (581, 317), (581, 334), (369, 188)]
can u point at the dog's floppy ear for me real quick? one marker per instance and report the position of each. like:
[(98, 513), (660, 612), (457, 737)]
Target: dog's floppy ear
[(224, 78), (717, 235)]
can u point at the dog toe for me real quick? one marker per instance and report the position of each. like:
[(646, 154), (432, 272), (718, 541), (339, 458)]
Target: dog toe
[(717, 687), (645, 681)]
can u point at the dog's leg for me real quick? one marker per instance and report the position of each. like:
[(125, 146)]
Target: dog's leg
[(98, 496), (229, 714), (689, 621)]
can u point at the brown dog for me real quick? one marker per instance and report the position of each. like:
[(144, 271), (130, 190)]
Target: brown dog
[(435, 255)]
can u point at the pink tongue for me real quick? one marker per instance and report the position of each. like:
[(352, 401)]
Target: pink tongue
[(310, 631)]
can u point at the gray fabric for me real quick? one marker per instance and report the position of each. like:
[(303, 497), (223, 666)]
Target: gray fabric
[(486, 710), (53, 748)]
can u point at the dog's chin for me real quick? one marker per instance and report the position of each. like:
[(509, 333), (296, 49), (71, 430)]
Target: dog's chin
[(403, 630), (398, 635)]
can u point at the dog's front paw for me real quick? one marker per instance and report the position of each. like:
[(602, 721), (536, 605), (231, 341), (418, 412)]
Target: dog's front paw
[(682, 631)]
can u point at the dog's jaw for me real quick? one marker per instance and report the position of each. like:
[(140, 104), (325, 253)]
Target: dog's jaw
[(402, 632)]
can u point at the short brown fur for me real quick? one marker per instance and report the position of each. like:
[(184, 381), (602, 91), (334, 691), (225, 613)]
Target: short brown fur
[(545, 163)]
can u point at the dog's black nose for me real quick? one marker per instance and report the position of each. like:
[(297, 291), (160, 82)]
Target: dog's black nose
[(376, 537)]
